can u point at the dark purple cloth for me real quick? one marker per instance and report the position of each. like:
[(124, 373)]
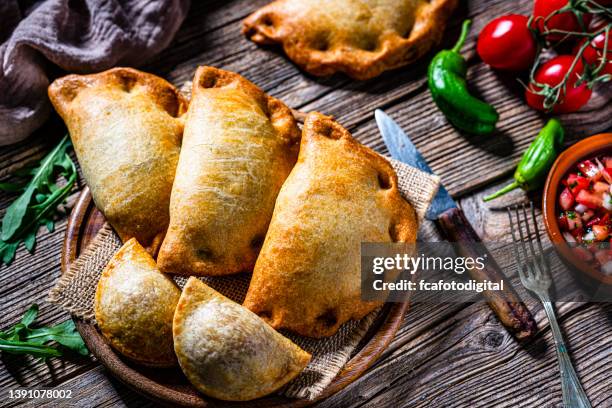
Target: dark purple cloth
[(79, 36)]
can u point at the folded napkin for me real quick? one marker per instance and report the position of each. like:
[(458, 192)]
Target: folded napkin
[(76, 288), (78, 36)]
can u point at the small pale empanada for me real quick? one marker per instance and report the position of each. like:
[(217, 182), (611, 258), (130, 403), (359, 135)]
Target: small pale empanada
[(126, 129), (226, 351), (238, 148), (339, 194), (359, 37), (135, 305)]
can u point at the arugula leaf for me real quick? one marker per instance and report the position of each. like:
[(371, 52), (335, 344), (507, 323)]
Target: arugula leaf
[(64, 333), (30, 240), (38, 201), (20, 347), (28, 318), (7, 251), (23, 339), (16, 212), (30, 315), (43, 178)]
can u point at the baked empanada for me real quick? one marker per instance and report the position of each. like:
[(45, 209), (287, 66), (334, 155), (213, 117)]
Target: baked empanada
[(126, 129), (226, 351), (134, 307), (338, 195), (362, 38), (238, 148)]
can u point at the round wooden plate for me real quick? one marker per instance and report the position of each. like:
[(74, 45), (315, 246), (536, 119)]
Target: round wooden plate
[(169, 386)]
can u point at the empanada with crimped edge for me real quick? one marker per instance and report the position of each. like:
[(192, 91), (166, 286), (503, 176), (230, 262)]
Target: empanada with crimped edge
[(339, 194), (134, 307), (239, 146), (126, 128), (226, 351), (361, 38)]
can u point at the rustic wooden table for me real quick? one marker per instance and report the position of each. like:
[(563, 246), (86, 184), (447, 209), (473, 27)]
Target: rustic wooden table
[(448, 355)]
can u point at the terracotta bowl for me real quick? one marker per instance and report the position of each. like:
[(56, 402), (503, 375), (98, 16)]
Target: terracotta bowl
[(586, 148)]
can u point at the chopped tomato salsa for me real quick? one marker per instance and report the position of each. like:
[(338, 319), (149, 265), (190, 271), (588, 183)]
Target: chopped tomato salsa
[(585, 217)]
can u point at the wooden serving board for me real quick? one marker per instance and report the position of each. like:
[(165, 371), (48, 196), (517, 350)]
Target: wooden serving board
[(169, 386)]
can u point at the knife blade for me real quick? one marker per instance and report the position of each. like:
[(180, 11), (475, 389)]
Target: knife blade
[(401, 148), (506, 304)]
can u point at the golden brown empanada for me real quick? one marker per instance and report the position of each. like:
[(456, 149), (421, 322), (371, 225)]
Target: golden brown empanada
[(226, 351), (126, 129), (339, 194), (135, 305), (238, 148), (362, 38)]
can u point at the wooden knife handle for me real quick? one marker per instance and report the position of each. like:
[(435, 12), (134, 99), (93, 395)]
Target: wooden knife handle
[(506, 304)]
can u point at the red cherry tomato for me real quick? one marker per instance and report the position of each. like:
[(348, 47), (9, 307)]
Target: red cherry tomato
[(507, 43), (566, 21), (552, 73), (593, 53)]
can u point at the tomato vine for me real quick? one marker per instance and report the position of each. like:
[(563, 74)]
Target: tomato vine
[(552, 38)]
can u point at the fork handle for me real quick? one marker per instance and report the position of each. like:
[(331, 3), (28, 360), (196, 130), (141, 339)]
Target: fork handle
[(571, 389)]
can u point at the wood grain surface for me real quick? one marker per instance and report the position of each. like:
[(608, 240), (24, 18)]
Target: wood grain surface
[(444, 355)]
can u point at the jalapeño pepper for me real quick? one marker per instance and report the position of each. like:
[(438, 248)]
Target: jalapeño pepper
[(537, 160), (446, 79)]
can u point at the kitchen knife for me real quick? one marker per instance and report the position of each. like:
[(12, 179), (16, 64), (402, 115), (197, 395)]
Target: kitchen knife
[(506, 304)]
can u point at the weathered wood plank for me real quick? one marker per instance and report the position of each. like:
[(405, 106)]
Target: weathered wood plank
[(432, 336), (467, 361), (93, 389)]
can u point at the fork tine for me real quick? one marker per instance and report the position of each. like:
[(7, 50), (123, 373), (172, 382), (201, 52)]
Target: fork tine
[(537, 268), (515, 245), (537, 232), (522, 245)]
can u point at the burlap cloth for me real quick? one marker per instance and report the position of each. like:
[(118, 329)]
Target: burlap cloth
[(76, 288)]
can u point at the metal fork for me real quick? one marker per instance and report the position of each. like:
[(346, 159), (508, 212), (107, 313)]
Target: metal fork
[(535, 276)]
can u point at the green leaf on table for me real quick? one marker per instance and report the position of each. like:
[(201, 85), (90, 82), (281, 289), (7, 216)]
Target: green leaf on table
[(40, 198), (38, 201), (64, 333), (30, 240), (23, 339), (16, 212), (30, 315), (14, 333), (49, 224), (7, 251), (36, 350)]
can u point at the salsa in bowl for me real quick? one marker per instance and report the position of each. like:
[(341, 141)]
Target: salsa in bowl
[(586, 210), (577, 206)]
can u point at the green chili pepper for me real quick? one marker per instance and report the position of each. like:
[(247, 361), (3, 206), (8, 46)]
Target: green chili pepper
[(446, 78), (537, 159)]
